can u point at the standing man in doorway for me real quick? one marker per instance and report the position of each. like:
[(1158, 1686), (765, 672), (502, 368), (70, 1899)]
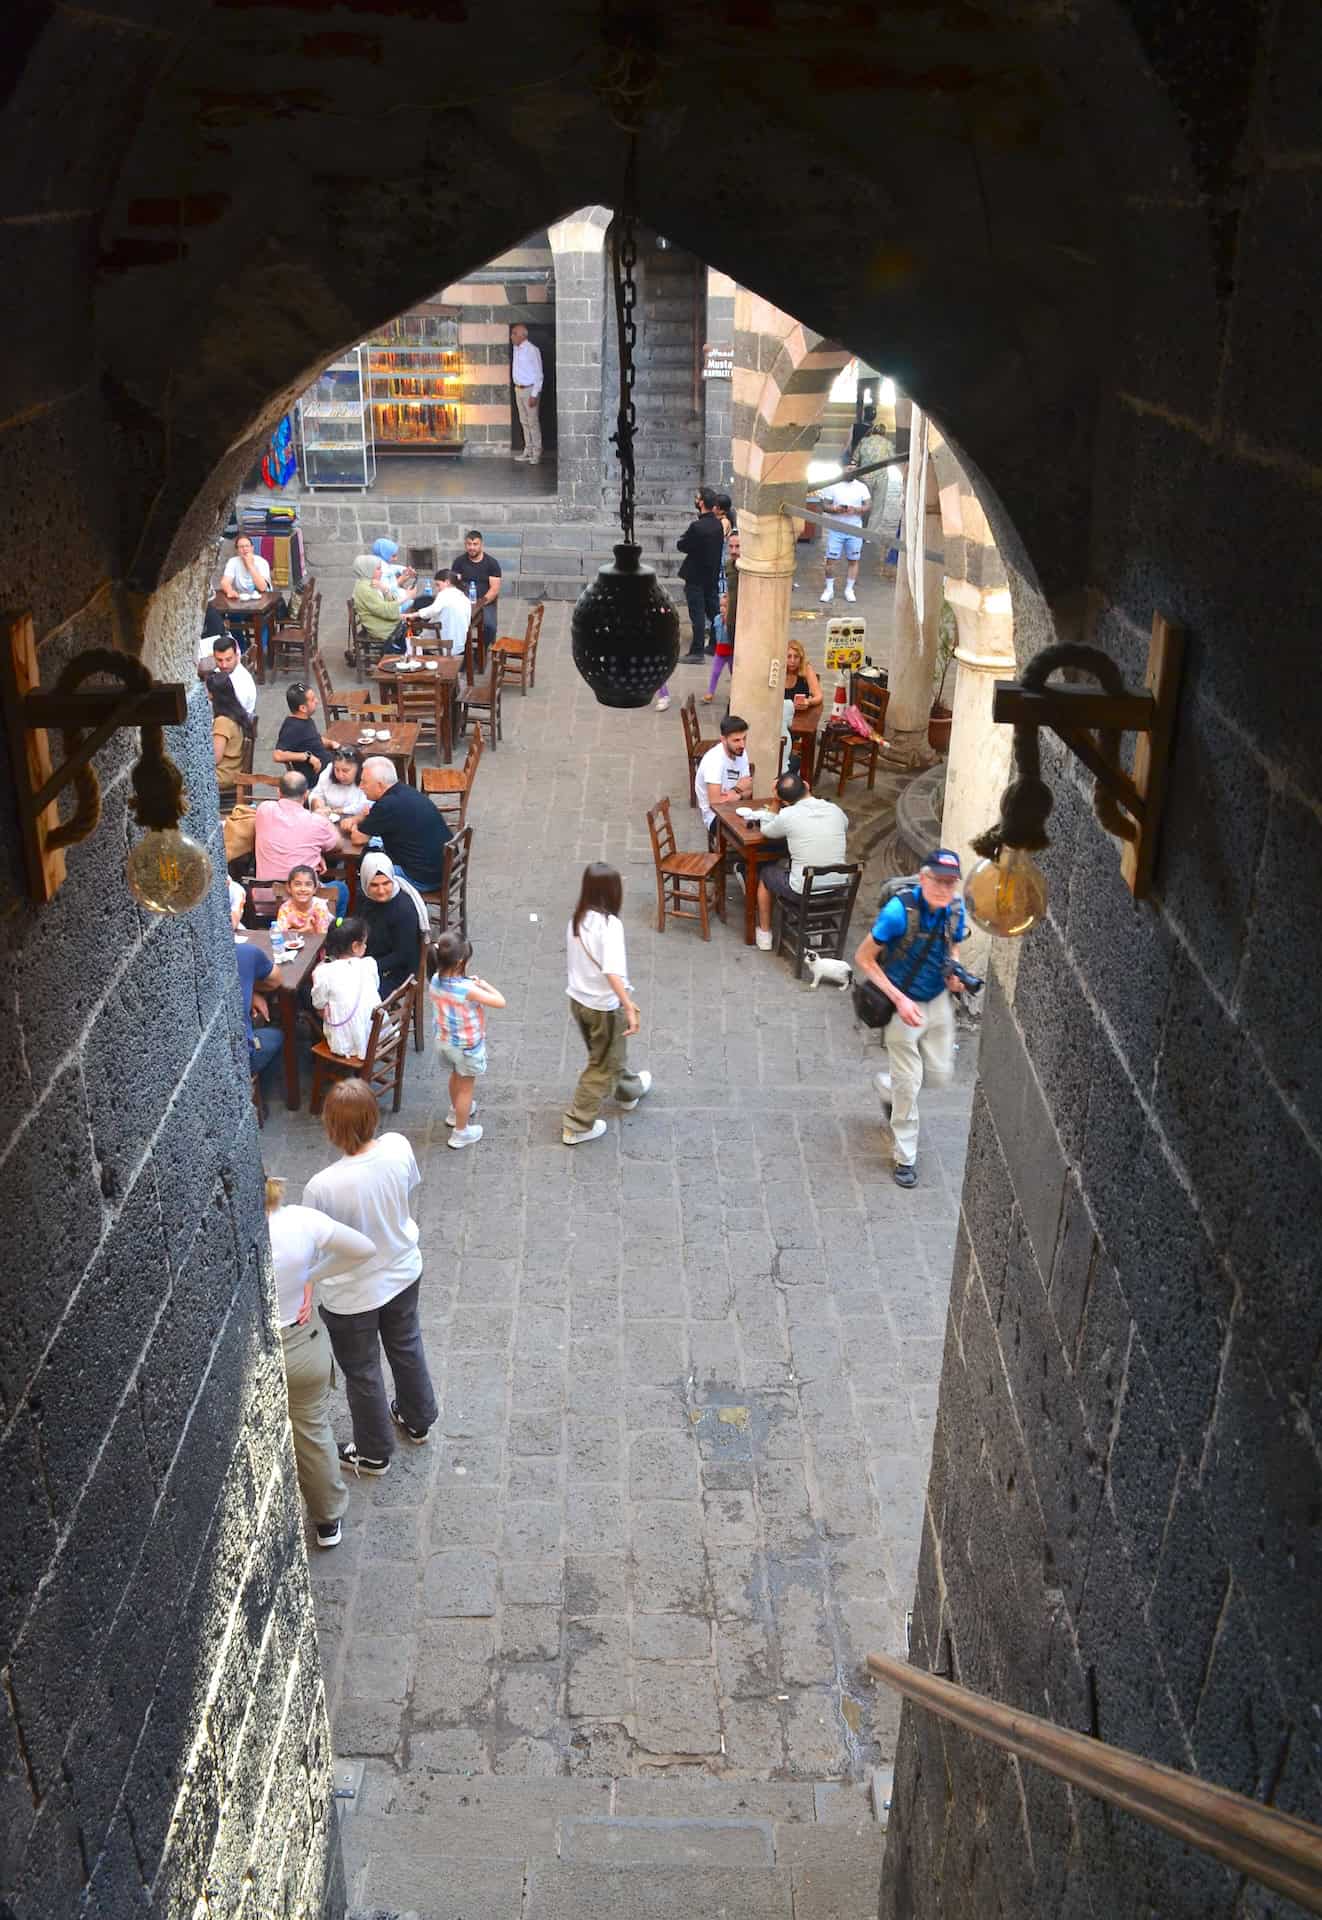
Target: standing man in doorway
[(845, 499), (526, 374), (702, 546)]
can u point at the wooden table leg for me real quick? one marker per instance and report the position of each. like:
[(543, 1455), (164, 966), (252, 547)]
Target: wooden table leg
[(289, 1026), (446, 742), (751, 867), (411, 771)]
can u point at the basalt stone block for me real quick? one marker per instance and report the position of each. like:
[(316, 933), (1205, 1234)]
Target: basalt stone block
[(1188, 1596), (56, 1218), (1279, 940), (1142, 1464), (30, 1529)]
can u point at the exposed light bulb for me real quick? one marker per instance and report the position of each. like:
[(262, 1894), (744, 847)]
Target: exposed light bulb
[(167, 872), (1007, 896)]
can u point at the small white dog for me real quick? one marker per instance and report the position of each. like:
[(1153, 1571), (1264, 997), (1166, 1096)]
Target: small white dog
[(838, 972)]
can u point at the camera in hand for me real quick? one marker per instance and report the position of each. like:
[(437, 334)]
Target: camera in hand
[(970, 982)]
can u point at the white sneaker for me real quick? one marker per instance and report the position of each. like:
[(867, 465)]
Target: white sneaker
[(850, 594), (627, 1106), (829, 592), (574, 1138), (472, 1115), (663, 703), (465, 1137), (764, 939)]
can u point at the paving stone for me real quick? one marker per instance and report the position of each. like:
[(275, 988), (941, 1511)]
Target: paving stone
[(662, 1466), (459, 1584), (677, 1709), (443, 1889), (600, 1668), (840, 1876), (596, 1583), (378, 1666), (580, 1892), (701, 1794), (667, 1842), (671, 1636), (532, 1582)]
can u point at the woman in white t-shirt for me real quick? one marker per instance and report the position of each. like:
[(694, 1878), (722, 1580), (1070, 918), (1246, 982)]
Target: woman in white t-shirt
[(307, 1246), (370, 1188), (602, 1005), (247, 574)]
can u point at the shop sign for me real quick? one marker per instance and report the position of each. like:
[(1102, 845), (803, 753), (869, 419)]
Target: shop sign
[(717, 362)]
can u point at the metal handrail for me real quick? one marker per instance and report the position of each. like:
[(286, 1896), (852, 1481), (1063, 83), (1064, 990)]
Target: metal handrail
[(1272, 1848)]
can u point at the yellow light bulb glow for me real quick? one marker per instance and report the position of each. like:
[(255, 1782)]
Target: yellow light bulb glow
[(1007, 896), (167, 872)]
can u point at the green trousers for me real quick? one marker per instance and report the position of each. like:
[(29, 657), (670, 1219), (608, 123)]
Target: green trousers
[(607, 1071)]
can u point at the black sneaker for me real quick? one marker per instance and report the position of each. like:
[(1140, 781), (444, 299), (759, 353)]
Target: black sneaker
[(693, 660), (416, 1434), (329, 1533), (359, 1462), (906, 1176)]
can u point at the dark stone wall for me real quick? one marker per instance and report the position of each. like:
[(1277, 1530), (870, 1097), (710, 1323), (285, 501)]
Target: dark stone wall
[(1086, 239)]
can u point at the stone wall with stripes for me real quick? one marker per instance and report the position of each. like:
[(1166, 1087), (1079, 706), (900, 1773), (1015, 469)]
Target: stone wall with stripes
[(486, 310)]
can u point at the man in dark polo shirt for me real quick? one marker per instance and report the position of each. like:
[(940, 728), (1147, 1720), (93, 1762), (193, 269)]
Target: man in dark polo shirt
[(479, 578), (411, 831), (701, 544)]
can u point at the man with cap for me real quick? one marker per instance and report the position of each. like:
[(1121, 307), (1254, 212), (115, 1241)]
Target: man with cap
[(907, 957)]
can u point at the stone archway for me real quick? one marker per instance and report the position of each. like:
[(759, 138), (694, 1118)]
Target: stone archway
[(203, 201)]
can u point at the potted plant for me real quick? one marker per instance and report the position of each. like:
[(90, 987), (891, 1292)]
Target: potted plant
[(938, 725)]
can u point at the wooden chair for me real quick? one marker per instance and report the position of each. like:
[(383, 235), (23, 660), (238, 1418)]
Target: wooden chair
[(694, 744), (354, 635), (521, 655), (295, 641), (682, 879), (843, 751), (422, 699), (335, 706), (485, 696), (819, 921), (452, 787), (382, 1065), (448, 904)]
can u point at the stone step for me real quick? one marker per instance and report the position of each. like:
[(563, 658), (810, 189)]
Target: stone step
[(436, 1845)]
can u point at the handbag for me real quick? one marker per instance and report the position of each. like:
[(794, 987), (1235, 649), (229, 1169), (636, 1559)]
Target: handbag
[(873, 1007)]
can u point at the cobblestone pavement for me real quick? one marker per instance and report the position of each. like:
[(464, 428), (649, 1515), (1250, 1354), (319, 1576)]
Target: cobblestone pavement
[(688, 1372)]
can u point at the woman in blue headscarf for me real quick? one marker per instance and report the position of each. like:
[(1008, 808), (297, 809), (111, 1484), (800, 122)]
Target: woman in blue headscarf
[(399, 580)]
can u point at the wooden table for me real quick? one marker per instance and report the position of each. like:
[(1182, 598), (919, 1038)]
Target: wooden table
[(743, 839), (249, 613), (445, 672), (292, 974), (400, 747)]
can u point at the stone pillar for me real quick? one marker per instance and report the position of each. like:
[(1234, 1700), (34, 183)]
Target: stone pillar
[(766, 574), (918, 585), (578, 249), (717, 395), (979, 764)]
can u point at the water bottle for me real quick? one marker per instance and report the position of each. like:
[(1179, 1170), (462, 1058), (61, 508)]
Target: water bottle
[(277, 946), (472, 592)]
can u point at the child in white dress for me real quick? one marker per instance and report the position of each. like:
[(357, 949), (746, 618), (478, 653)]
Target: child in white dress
[(346, 989)]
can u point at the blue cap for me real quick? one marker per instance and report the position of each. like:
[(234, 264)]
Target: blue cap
[(943, 861), (385, 549)]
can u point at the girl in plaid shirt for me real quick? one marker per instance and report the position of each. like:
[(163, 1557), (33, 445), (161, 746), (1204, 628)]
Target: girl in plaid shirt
[(460, 1001)]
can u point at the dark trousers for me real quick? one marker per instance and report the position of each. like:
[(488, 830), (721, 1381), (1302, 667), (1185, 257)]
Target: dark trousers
[(356, 1341), (703, 606)]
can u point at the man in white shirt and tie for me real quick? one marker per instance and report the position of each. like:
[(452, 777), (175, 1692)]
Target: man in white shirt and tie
[(526, 373)]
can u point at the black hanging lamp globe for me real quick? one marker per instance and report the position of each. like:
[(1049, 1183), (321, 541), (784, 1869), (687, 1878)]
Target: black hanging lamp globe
[(625, 631)]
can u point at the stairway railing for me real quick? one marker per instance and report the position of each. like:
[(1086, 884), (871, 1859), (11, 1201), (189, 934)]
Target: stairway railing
[(1272, 1848)]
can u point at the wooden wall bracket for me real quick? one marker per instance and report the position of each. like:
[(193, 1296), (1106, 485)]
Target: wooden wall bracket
[(1088, 720), (29, 713)]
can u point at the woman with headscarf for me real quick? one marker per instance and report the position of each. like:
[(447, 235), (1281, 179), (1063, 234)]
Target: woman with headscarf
[(398, 580), (396, 918), (376, 606)]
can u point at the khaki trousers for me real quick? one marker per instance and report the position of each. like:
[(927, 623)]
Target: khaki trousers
[(530, 419), (607, 1072), (308, 1380), (918, 1053)]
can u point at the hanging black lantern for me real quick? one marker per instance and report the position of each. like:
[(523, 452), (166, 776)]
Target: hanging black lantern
[(625, 631)]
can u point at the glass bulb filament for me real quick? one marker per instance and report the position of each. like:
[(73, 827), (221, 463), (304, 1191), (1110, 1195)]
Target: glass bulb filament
[(167, 872), (1007, 896)]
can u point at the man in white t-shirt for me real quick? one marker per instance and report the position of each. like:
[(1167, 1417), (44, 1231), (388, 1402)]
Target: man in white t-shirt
[(723, 772), (815, 832), (849, 500), (247, 575), (225, 653)]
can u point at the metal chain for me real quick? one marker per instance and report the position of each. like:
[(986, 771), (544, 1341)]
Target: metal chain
[(624, 260)]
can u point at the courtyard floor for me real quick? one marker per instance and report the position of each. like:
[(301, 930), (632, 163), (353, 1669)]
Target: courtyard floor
[(687, 1372)]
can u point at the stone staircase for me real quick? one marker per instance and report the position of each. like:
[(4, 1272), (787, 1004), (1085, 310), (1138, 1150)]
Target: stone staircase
[(669, 447), (426, 1845)]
